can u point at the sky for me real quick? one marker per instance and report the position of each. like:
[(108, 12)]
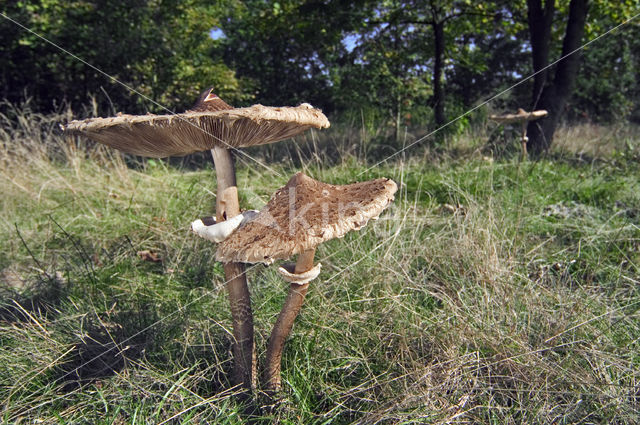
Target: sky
[(350, 40)]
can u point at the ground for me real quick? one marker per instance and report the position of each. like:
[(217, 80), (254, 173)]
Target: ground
[(492, 291)]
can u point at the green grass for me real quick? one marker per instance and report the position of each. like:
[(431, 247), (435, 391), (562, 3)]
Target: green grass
[(517, 304)]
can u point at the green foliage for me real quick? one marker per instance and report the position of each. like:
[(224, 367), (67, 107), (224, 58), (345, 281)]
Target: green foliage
[(608, 79), (162, 50), (365, 58), (291, 49)]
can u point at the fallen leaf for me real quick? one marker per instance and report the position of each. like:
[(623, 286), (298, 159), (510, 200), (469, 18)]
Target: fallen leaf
[(148, 255)]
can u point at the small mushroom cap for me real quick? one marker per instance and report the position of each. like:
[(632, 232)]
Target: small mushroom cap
[(303, 214), (521, 116), (159, 136)]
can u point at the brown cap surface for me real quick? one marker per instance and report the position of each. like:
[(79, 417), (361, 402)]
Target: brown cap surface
[(160, 136), (209, 101), (303, 214), (521, 116)]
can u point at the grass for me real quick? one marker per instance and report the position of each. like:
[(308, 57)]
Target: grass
[(490, 292)]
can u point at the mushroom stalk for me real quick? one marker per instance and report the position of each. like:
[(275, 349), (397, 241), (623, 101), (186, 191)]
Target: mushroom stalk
[(524, 140), (284, 323), (227, 206), (523, 117)]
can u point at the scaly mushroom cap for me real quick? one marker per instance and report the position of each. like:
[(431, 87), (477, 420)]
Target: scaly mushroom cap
[(303, 214), (159, 136), (209, 102), (521, 116)]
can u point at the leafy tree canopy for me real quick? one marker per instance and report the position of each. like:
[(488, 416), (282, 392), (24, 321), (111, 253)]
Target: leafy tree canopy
[(403, 62), (161, 48)]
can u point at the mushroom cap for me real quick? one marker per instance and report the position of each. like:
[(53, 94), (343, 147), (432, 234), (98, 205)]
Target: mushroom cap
[(209, 101), (521, 116), (303, 214), (160, 136)]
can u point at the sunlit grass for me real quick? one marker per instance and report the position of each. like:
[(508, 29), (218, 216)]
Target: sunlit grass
[(491, 291)]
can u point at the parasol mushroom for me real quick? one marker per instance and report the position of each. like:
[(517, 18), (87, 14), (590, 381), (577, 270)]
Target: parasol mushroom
[(160, 136), (300, 216), (209, 126), (522, 117), (209, 101)]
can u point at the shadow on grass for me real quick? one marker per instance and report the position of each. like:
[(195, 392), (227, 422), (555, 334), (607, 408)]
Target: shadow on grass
[(21, 299), (139, 332), (108, 343)]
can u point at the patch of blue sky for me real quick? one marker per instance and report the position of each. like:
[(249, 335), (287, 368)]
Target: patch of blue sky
[(216, 33), (350, 41)]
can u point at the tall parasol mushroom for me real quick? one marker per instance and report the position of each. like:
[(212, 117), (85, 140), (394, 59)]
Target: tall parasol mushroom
[(210, 126), (523, 117), (209, 102), (300, 216)]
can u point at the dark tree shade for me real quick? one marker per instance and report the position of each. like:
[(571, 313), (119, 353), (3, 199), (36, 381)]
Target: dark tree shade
[(160, 49), (382, 63)]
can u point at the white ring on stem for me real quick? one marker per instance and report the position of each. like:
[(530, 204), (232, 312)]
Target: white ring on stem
[(287, 273)]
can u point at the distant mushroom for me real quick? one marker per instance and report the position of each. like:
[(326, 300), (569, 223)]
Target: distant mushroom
[(210, 124), (300, 216), (522, 117)]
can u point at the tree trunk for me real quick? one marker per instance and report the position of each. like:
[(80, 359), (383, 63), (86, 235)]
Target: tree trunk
[(540, 21), (398, 117), (438, 67), (554, 96)]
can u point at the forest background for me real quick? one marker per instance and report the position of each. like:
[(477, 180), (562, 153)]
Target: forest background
[(382, 63)]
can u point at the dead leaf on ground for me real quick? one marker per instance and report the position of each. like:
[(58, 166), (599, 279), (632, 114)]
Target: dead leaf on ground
[(457, 209), (148, 255)]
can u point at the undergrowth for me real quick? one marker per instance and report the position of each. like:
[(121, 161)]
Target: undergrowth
[(491, 291)]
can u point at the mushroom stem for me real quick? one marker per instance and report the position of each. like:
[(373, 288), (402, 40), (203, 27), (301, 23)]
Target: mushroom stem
[(283, 325), (227, 206), (524, 140), (305, 261)]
